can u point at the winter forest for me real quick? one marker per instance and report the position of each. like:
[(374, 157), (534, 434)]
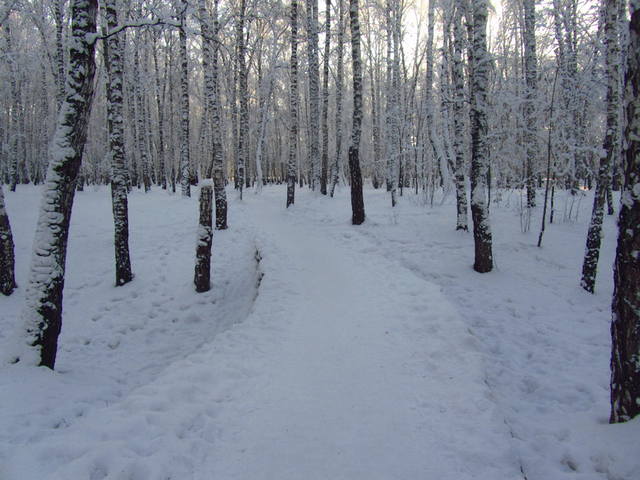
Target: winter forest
[(320, 239)]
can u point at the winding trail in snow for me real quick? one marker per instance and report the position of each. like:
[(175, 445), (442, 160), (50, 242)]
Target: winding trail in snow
[(376, 377), (347, 366)]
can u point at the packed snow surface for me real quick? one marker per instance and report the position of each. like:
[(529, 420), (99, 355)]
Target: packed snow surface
[(322, 351)]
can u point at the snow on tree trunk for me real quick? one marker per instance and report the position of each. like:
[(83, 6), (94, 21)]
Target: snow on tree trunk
[(210, 69), (202, 276), (314, 91), (243, 91), (7, 259), (58, 16), (16, 112), (113, 59), (625, 326), (594, 235), (325, 100), (160, 107), (458, 122), (479, 146), (293, 107), (392, 155), (42, 314), (530, 61), (335, 169), (357, 201), (141, 130), (185, 176)]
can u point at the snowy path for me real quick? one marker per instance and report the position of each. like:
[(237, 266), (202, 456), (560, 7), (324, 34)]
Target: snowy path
[(375, 378), (345, 366)]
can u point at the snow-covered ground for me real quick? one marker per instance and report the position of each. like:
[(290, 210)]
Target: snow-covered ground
[(336, 352)]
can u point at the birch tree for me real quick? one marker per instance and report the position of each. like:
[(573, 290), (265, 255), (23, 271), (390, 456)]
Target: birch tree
[(243, 92), (357, 201), (185, 181), (530, 68), (479, 147), (42, 314), (293, 107), (625, 326), (458, 120), (7, 257), (210, 72), (314, 91), (325, 99), (113, 59), (594, 235), (335, 169)]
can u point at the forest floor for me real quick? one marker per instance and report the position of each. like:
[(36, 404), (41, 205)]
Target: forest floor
[(322, 351)]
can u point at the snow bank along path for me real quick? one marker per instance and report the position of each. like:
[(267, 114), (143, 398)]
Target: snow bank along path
[(345, 366)]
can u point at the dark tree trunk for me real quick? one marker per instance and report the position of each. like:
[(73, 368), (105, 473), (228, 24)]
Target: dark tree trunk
[(530, 60), (479, 147), (293, 107), (594, 235), (357, 201), (7, 259), (335, 170), (202, 277), (43, 309), (625, 325), (113, 59), (184, 105), (325, 101), (243, 91)]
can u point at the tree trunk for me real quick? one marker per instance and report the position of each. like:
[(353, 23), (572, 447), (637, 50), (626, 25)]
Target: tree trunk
[(314, 91), (293, 107), (357, 201), (479, 147), (7, 258), (243, 91), (335, 170), (625, 325), (58, 16), (325, 100), (458, 122), (184, 105), (210, 69), (594, 235), (113, 59), (530, 61), (160, 107), (42, 313), (202, 276)]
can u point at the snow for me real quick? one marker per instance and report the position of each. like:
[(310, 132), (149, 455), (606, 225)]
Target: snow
[(369, 352)]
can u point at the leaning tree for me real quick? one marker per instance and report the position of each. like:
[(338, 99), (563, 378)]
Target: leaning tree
[(625, 325)]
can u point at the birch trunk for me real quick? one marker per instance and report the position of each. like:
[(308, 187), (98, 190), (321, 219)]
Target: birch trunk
[(357, 201), (42, 314), (479, 147), (325, 100), (113, 59), (458, 115), (185, 177), (293, 107), (243, 91), (530, 60), (335, 170), (625, 325), (7, 256), (202, 275), (210, 69), (314, 91), (594, 235)]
